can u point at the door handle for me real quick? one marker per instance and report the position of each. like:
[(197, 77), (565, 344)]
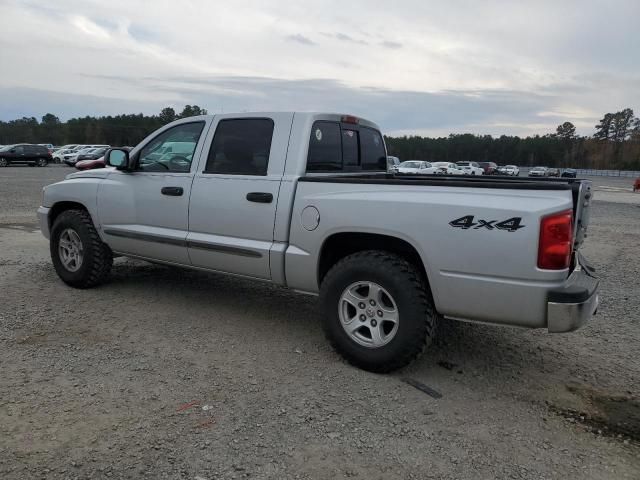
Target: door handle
[(260, 197), (172, 191)]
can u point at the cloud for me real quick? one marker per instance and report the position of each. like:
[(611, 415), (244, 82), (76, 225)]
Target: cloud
[(390, 44), (343, 37), (300, 39), (424, 67), (438, 113)]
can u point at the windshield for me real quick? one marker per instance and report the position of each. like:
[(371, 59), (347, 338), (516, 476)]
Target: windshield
[(6, 149), (440, 164)]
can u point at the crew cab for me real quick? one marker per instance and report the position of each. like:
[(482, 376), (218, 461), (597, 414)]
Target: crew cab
[(303, 200)]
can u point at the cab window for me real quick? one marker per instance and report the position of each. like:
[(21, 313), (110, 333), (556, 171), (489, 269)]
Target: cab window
[(241, 146), (172, 150)]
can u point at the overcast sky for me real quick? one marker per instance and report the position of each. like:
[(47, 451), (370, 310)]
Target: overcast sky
[(423, 67)]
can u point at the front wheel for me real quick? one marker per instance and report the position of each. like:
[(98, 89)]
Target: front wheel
[(79, 256), (378, 312), (3, 162)]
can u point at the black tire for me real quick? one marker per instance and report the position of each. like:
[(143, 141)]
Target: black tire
[(4, 162), (97, 256), (406, 284), (42, 162)]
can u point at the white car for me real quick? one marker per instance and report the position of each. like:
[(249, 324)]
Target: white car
[(510, 170), (417, 167), (447, 168), (72, 157), (60, 155), (539, 172), (470, 168), (392, 164)]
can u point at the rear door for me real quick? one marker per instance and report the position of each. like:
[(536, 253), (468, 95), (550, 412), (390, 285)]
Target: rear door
[(234, 195)]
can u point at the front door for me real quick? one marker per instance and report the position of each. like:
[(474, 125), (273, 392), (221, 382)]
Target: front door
[(235, 191), (146, 212)]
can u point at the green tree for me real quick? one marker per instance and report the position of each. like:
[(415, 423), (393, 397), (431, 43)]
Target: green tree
[(192, 111), (566, 131), (622, 124), (604, 128), (167, 115)]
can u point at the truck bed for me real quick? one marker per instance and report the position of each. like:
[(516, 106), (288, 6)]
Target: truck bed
[(493, 181)]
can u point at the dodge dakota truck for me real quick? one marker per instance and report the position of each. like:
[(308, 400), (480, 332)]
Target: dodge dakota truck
[(303, 200)]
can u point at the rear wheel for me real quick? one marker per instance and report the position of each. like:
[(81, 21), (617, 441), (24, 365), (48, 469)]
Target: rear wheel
[(378, 313), (80, 258), (42, 162)]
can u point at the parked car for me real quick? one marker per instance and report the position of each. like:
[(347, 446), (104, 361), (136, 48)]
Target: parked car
[(49, 146), (510, 170), (71, 146), (470, 168), (94, 163), (538, 172), (24, 153), (490, 168), (447, 168), (636, 185), (59, 155), (553, 172), (290, 199), (92, 154), (569, 173), (90, 164), (71, 158), (392, 164), (417, 167)]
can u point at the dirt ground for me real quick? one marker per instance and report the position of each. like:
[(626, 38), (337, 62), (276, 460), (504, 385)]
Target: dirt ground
[(163, 373)]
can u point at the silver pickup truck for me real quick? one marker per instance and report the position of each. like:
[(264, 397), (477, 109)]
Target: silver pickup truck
[(303, 200)]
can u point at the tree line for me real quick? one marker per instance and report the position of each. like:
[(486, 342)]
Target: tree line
[(118, 130), (614, 145)]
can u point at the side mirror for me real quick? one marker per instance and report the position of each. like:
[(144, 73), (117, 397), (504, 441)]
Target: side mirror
[(117, 157)]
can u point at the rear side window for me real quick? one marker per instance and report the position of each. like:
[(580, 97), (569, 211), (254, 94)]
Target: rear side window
[(340, 147), (325, 147), (374, 156), (350, 150), (241, 146)]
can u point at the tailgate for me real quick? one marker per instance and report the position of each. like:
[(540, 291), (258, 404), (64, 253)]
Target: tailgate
[(582, 198)]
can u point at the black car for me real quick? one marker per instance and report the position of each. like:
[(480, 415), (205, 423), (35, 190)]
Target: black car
[(24, 153), (569, 173)]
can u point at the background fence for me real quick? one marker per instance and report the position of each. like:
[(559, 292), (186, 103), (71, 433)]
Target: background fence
[(597, 173)]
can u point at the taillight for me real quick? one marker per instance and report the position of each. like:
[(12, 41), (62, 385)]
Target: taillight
[(556, 235), (350, 119)]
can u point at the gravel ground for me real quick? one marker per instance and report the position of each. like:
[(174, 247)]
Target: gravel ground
[(170, 374)]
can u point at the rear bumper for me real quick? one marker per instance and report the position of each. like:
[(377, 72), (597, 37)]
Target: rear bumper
[(43, 220), (572, 306)]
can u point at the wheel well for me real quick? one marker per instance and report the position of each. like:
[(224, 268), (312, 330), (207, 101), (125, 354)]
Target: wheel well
[(340, 245), (60, 207)]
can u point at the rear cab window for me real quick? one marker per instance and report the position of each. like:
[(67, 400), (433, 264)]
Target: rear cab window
[(339, 147)]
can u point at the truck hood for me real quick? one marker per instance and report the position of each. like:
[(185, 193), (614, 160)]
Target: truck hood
[(94, 173)]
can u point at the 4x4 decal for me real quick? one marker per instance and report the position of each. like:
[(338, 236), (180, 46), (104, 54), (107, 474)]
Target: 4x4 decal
[(510, 224)]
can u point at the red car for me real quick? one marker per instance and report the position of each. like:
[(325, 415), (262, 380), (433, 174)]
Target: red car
[(636, 185), (490, 168), (90, 164)]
